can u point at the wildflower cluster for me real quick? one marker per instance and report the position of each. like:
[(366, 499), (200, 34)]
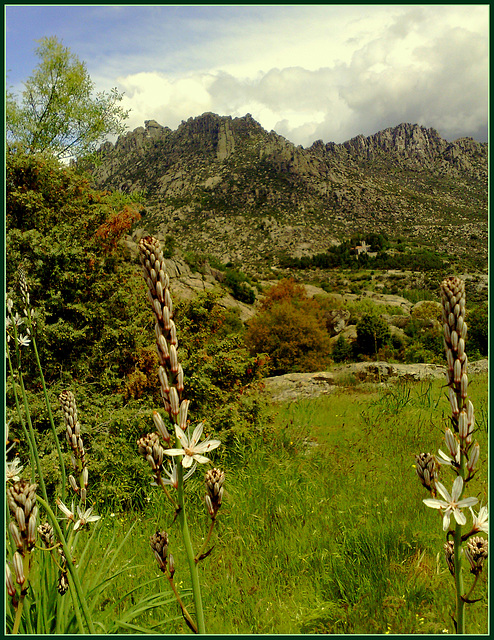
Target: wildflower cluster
[(461, 455)]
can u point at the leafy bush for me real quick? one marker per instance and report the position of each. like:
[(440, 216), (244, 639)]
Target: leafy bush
[(88, 297), (290, 328)]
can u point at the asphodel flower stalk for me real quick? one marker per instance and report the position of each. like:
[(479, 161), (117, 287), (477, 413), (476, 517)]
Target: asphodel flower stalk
[(171, 379), (462, 454), (21, 500), (79, 483)]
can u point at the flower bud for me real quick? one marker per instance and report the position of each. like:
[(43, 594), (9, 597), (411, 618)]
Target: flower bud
[(164, 279), (454, 340), (451, 443), (163, 380), (20, 517), (173, 334), (157, 308), (171, 565), (464, 386), (210, 507), (163, 347), (73, 484), (19, 568), (168, 301), (476, 551), (449, 551), (159, 545), (31, 528), (11, 590), (85, 477), (474, 458), (161, 427), (159, 291), (470, 413), (174, 401), (16, 536), (447, 332), (453, 400), (166, 318), (463, 424), (425, 466), (461, 348), (173, 359), (180, 379), (457, 372), (182, 416)]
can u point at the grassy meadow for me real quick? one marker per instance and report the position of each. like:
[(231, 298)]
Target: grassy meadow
[(322, 527)]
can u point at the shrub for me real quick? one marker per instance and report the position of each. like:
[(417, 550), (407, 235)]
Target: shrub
[(290, 328), (240, 288)]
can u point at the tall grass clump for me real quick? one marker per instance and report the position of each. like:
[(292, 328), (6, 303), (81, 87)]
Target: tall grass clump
[(169, 475), (50, 555), (461, 457)]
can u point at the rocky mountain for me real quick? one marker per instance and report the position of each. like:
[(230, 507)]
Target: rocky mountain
[(226, 187)]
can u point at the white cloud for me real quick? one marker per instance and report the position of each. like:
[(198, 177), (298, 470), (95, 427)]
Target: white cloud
[(330, 72)]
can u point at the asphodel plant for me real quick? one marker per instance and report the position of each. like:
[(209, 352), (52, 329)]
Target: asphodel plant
[(461, 456), (24, 498), (173, 457)]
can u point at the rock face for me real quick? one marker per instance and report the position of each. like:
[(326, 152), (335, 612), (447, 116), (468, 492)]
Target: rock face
[(296, 386), (227, 187)]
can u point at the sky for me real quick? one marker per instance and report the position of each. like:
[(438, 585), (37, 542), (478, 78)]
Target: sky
[(310, 72)]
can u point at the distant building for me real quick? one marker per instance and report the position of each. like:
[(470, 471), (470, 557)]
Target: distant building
[(362, 248)]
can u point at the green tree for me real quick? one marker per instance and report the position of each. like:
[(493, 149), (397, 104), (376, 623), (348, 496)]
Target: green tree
[(59, 111), (478, 330), (372, 333), (342, 350)]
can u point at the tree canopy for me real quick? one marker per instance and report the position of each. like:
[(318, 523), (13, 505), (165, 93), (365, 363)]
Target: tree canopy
[(59, 111)]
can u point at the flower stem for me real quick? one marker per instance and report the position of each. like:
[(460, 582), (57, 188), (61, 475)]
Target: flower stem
[(460, 618), (194, 575), (206, 541), (48, 408), (182, 606)]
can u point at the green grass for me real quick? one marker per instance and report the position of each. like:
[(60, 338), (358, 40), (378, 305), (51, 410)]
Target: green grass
[(322, 528)]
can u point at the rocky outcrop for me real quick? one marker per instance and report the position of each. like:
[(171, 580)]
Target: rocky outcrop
[(296, 386)]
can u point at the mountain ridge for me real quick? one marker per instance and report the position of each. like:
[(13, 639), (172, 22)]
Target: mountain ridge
[(228, 187)]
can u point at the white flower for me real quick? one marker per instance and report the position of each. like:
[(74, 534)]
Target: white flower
[(480, 522), (445, 459), (13, 470), (172, 479), (68, 513), (451, 503), (85, 517), (191, 450), (23, 341)]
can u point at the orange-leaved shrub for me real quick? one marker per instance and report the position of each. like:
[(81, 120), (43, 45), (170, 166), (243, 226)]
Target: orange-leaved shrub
[(290, 328), (110, 232)]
